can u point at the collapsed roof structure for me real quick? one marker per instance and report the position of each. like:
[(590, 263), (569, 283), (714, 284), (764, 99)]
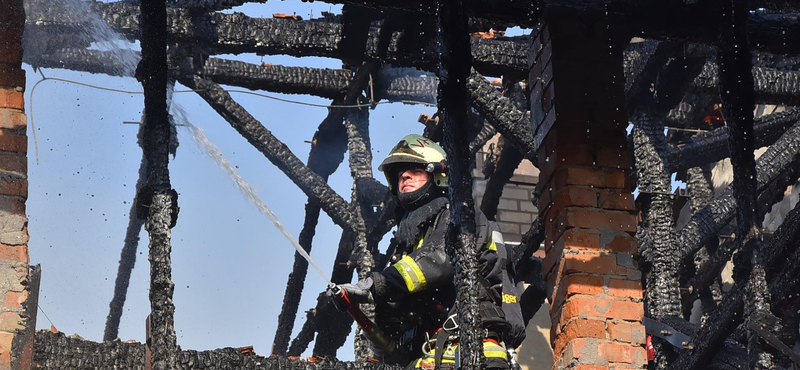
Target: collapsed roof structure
[(691, 58)]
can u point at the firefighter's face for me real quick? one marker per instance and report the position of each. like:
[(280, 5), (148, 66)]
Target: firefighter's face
[(411, 179)]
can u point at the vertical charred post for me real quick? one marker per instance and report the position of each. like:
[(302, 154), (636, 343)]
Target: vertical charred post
[(327, 152), (360, 156), (157, 201), (662, 296), (738, 101), (453, 70)]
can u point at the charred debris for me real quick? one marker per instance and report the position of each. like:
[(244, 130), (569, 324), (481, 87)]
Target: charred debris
[(697, 57)]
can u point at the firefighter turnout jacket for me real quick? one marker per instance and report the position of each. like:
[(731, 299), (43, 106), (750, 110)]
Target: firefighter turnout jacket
[(415, 295)]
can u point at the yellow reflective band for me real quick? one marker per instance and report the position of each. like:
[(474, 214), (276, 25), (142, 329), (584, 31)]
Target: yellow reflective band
[(491, 246), (411, 273), (508, 298), (491, 350), (419, 245)]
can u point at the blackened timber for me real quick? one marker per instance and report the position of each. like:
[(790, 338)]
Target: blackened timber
[(157, 201), (304, 337), (709, 220), (329, 83), (360, 158), (771, 86), (127, 261), (237, 33), (713, 145), (55, 351), (277, 152), (738, 103), (333, 326), (454, 64), (723, 321), (509, 160), (327, 152), (210, 4), (501, 113)]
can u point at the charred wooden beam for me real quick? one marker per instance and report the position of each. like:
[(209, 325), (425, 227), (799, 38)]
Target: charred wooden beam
[(330, 83), (691, 111), (454, 64), (771, 86), (708, 221), (237, 33), (58, 352), (157, 201), (278, 153), (730, 357), (728, 315), (510, 158), (738, 103), (501, 113), (712, 146), (304, 337), (209, 4), (127, 261), (333, 326)]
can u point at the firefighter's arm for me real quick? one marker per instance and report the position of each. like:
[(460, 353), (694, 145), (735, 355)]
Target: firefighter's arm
[(426, 268)]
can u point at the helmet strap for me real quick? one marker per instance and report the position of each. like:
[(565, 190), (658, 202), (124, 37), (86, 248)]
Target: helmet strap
[(417, 198)]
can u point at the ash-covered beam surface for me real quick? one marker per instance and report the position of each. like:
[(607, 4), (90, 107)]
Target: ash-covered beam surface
[(277, 152), (59, 352), (209, 4), (770, 86)]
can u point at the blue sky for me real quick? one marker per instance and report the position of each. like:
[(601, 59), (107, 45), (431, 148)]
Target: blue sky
[(230, 264)]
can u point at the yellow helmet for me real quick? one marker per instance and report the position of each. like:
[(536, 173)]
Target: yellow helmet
[(416, 149)]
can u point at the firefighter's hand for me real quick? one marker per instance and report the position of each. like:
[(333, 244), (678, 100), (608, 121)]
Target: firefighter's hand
[(354, 293)]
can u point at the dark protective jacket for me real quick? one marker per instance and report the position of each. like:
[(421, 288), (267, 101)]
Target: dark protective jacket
[(414, 295)]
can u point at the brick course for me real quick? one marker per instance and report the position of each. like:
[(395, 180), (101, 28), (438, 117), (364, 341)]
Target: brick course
[(578, 119), (16, 325)]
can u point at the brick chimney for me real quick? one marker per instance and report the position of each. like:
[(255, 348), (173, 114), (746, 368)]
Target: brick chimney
[(579, 121), (18, 308)]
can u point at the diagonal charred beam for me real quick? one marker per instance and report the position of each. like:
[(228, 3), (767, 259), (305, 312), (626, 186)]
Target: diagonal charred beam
[(278, 153), (57, 351), (691, 111), (332, 325), (127, 261), (501, 113), (708, 221), (713, 145), (304, 337), (730, 357)]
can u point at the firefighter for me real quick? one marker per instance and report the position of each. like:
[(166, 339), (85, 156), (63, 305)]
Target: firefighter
[(415, 295)]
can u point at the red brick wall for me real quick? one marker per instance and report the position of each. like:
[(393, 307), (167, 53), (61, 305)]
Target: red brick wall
[(14, 261), (579, 120)]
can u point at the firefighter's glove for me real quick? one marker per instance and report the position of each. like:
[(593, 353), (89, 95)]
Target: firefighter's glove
[(355, 293)]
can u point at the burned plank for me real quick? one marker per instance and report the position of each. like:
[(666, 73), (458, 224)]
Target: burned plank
[(501, 113), (278, 153), (713, 146)]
